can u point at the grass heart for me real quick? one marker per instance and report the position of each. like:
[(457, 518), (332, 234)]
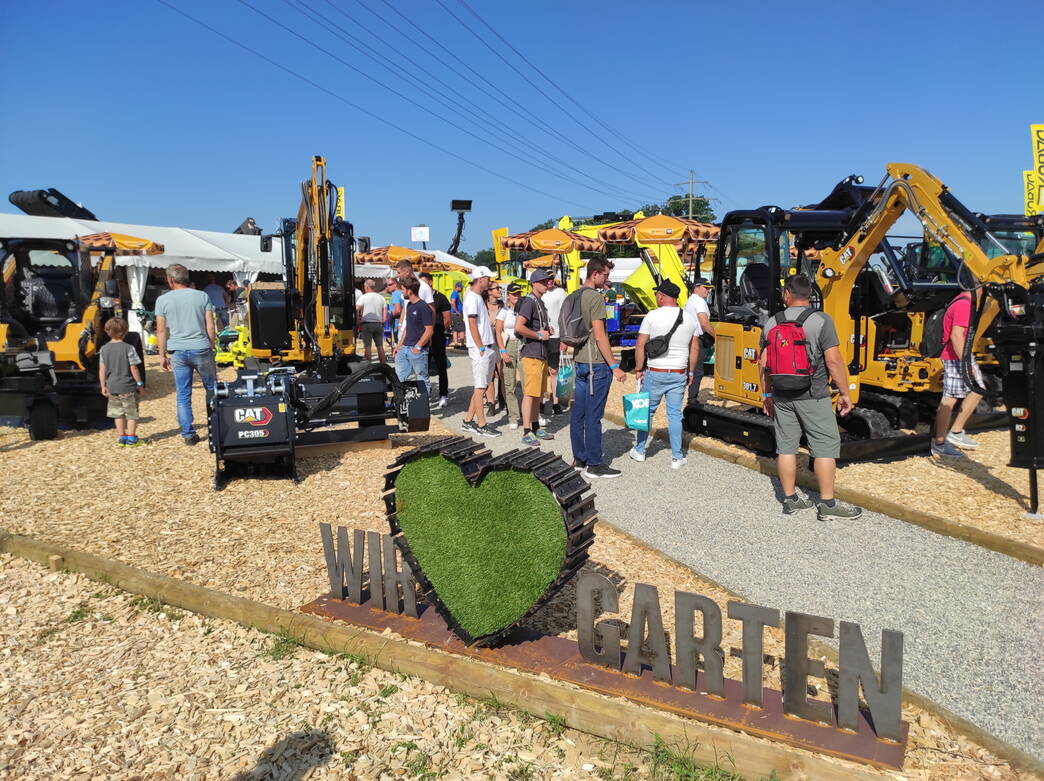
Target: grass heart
[(489, 539)]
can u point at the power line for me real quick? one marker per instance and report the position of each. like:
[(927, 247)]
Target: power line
[(566, 95), (412, 102), (510, 136), (543, 92), (362, 110), (528, 116)]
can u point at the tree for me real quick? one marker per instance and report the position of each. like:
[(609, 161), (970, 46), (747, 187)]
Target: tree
[(545, 225), (484, 257)]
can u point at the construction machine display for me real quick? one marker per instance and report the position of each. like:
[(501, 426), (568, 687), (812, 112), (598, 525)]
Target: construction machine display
[(892, 384), (301, 385), (57, 296)]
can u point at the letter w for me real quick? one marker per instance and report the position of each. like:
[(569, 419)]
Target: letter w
[(344, 565)]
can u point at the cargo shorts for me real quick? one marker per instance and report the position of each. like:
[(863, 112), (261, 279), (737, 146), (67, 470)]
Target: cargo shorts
[(815, 419), (123, 405), (372, 334)]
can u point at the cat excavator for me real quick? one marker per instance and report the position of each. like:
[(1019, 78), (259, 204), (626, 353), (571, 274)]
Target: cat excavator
[(847, 232), (302, 385)]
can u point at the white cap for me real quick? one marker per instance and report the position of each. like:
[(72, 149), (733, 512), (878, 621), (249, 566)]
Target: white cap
[(481, 271)]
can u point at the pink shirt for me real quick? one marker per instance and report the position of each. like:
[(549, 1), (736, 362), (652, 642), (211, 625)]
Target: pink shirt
[(957, 313)]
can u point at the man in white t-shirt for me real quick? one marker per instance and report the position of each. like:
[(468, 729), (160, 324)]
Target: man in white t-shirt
[(697, 307), (478, 334), (667, 374), (552, 301), (370, 313)]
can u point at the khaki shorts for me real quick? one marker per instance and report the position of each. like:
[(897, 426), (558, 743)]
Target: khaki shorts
[(534, 377), (372, 333), (813, 417), (123, 405)]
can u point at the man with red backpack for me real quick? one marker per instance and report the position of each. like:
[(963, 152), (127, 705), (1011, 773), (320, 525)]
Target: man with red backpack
[(954, 331), (799, 349)]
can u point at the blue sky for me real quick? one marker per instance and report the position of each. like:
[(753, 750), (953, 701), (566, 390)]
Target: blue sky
[(145, 117)]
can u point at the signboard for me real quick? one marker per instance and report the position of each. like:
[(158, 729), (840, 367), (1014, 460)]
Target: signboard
[(419, 233), (502, 255), (1031, 193), (1037, 137), (339, 211)]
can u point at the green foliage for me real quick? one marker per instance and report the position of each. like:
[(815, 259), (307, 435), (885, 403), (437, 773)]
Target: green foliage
[(671, 763), (555, 722), (490, 551), (550, 223), (283, 645), (485, 257), (387, 691), (80, 613), (153, 605)]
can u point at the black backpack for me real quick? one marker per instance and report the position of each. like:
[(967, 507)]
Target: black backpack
[(932, 344), (659, 345)]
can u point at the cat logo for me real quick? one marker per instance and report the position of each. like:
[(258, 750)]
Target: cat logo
[(1021, 413), (255, 416), (750, 354)]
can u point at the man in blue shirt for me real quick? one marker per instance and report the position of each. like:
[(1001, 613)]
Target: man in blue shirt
[(394, 308), (185, 328), (411, 354)]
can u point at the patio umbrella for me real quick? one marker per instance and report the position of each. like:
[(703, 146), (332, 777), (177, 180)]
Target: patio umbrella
[(544, 261), (119, 244), (659, 229), (392, 254), (553, 240)]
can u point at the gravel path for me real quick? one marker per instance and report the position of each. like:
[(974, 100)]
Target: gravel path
[(972, 619)]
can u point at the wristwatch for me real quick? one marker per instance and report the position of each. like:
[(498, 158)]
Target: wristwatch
[(141, 384)]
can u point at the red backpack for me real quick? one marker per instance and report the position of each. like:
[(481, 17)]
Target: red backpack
[(787, 355)]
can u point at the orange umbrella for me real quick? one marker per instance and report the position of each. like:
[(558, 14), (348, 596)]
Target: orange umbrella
[(119, 244), (551, 240), (659, 229), (392, 254), (544, 261)]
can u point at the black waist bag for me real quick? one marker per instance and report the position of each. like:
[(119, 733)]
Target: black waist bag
[(659, 345)]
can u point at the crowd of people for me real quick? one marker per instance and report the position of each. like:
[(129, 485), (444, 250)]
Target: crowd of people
[(516, 344)]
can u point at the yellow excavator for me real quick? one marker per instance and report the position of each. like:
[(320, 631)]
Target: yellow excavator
[(56, 297), (848, 232), (302, 385)]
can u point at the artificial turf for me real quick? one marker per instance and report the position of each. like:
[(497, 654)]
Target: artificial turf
[(490, 550)]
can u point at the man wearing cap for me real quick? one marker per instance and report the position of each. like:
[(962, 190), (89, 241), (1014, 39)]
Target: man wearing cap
[(478, 334), (697, 307), (666, 375), (533, 325)]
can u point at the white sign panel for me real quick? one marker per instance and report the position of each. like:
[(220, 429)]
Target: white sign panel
[(419, 233)]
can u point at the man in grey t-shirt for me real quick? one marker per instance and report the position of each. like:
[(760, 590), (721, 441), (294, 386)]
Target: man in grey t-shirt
[(185, 328), (810, 412)]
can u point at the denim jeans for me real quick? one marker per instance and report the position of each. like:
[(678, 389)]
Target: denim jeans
[(585, 420), (659, 385), (183, 363), (407, 362)]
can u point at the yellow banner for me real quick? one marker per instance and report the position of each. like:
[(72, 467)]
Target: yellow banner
[(339, 211), (1029, 181), (1037, 135), (503, 255)]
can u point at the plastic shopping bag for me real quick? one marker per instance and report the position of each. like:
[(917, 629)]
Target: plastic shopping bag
[(565, 383), (636, 410)]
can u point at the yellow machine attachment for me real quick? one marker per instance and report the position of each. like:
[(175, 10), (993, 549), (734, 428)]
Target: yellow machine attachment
[(309, 321)]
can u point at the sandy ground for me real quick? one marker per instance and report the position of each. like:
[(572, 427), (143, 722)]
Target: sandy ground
[(153, 507), (979, 491)]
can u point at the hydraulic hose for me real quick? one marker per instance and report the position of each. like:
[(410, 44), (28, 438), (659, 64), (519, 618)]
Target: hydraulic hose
[(324, 404)]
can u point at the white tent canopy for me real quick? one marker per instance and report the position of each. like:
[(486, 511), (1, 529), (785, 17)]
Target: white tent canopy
[(194, 249)]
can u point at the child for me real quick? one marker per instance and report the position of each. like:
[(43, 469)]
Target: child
[(120, 375)]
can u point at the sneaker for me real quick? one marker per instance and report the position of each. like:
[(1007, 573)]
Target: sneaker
[(469, 427), (578, 465), (598, 471), (678, 463), (529, 440), (839, 510), (961, 440), (512, 426), (635, 455), (192, 439), (543, 421), (791, 506), (121, 442), (543, 434), (945, 450), (135, 442), (486, 431), (557, 410)]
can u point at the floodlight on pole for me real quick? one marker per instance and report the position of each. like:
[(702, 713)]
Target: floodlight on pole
[(460, 207)]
